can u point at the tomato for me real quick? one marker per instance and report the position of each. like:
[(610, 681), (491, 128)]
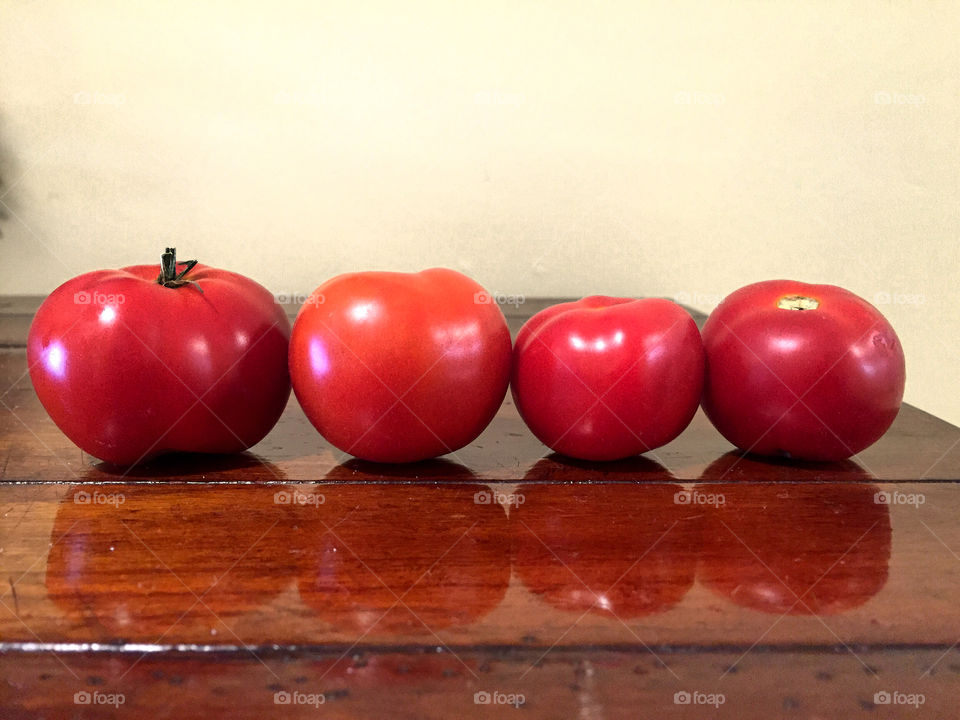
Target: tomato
[(807, 371), (400, 367), (605, 378), (130, 368)]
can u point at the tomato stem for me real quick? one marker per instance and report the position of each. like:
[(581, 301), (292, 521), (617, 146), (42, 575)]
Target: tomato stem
[(798, 302), (168, 271)]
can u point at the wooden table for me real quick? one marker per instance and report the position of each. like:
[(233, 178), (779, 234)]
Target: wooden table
[(225, 586)]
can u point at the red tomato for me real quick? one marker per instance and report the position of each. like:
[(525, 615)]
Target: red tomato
[(130, 368), (606, 378), (806, 371), (399, 367)]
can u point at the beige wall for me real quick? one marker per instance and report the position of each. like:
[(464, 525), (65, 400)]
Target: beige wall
[(546, 148)]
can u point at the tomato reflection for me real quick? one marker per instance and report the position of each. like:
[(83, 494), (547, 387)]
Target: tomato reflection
[(556, 468), (382, 555), (404, 559), (356, 470), (737, 466), (795, 548), (133, 556), (623, 549), (190, 466)]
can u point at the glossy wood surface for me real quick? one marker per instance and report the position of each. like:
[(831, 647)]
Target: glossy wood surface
[(201, 587)]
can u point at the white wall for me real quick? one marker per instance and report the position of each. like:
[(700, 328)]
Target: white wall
[(546, 148)]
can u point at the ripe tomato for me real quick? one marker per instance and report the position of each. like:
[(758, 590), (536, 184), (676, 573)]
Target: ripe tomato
[(606, 378), (129, 367), (399, 367), (806, 371)]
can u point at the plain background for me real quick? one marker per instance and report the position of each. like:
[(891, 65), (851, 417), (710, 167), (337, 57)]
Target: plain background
[(677, 149)]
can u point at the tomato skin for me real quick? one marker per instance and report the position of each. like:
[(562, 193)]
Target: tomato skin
[(644, 358), (400, 367), (118, 362), (842, 359)]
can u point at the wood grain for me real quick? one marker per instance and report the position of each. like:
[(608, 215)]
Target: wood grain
[(427, 685)]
